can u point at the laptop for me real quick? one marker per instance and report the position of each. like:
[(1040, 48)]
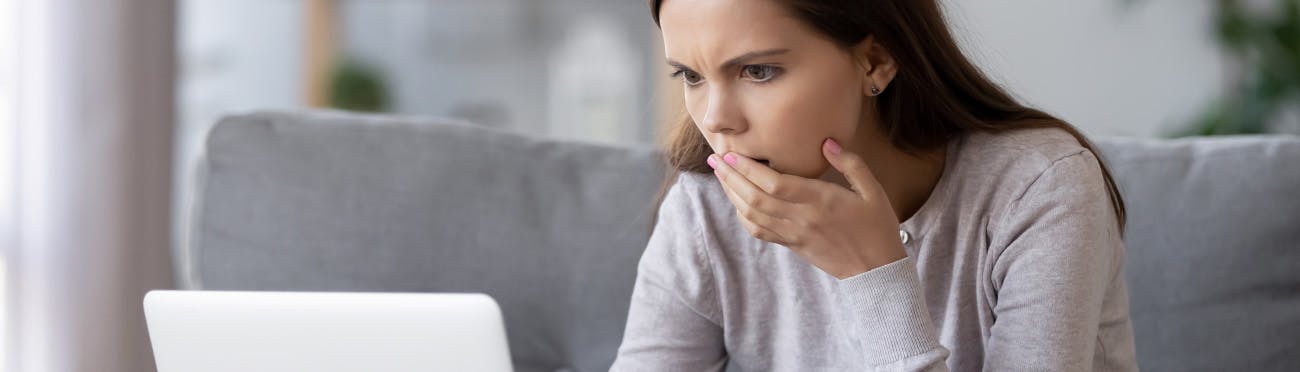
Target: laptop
[(200, 331)]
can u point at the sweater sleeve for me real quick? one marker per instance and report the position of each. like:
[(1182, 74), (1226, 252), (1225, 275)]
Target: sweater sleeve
[(1060, 248), (890, 323), (673, 322)]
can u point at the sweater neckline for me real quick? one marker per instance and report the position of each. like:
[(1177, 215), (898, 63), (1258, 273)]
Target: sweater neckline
[(918, 224)]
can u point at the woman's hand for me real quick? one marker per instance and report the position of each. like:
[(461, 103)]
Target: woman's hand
[(841, 231)]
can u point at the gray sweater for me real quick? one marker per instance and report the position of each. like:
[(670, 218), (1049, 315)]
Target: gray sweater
[(1015, 263)]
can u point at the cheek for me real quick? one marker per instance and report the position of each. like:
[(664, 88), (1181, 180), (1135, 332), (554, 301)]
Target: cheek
[(696, 107), (804, 114)]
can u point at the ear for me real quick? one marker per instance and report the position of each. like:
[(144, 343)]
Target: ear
[(877, 66)]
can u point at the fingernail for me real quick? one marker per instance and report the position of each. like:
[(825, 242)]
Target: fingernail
[(833, 146), (729, 158), (712, 163)]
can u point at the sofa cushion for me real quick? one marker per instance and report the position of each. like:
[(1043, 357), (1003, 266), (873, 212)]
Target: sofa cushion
[(328, 201), (1213, 242)]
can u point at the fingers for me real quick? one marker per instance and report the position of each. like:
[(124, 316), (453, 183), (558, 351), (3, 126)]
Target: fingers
[(749, 193), (782, 186), (854, 169), (757, 222), (764, 214)]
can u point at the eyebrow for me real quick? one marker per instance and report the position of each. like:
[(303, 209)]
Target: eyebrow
[(739, 59)]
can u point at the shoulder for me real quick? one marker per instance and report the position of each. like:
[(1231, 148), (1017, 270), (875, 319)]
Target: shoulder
[(1048, 206), (697, 207), (1013, 161), (1023, 150), (676, 257), (697, 197), (1039, 179), (1015, 177)]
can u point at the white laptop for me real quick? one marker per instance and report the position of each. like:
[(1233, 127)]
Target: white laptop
[(200, 331)]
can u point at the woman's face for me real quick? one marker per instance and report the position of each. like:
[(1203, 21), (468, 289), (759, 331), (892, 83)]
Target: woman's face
[(760, 83)]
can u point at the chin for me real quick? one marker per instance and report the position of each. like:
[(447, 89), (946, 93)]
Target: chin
[(821, 171), (805, 172)]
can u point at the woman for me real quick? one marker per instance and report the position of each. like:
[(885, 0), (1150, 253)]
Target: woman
[(814, 128)]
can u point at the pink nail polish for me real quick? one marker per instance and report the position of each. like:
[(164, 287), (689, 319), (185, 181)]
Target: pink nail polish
[(712, 163), (833, 146), (729, 158)]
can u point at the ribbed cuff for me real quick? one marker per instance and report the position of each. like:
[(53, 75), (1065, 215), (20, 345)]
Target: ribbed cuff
[(887, 305)]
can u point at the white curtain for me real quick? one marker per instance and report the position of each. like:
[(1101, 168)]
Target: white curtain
[(91, 150)]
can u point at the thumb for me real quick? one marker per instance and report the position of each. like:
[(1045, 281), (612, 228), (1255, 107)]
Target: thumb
[(854, 169)]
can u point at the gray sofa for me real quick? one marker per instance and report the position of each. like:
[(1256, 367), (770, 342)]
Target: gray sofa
[(332, 201)]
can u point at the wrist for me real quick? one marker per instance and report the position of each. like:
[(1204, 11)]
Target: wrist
[(871, 259)]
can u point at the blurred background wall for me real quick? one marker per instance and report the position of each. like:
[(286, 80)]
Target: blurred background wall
[(593, 70)]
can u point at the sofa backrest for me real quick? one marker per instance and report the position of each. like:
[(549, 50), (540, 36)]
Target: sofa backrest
[(1213, 242), (328, 201)]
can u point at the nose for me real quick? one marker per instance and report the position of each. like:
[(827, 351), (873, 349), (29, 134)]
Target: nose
[(722, 114)]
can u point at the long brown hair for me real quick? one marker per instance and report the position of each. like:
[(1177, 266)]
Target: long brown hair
[(937, 95)]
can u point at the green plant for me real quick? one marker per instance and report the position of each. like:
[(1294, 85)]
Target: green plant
[(1266, 46), (357, 86)]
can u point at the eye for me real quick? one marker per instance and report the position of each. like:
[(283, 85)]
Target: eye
[(689, 77), (760, 73)]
